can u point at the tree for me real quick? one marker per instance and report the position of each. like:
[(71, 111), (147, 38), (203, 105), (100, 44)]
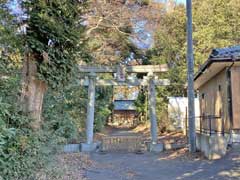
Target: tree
[(170, 47), (216, 25), (109, 27), (10, 43), (53, 46)]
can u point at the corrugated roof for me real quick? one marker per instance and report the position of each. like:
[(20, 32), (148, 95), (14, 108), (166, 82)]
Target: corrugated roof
[(124, 105)]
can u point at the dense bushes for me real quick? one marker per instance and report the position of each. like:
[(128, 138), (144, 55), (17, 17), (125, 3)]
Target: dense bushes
[(141, 105), (23, 152), (103, 106), (20, 148)]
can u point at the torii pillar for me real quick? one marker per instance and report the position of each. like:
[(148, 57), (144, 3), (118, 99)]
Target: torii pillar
[(154, 146), (90, 145), (90, 108)]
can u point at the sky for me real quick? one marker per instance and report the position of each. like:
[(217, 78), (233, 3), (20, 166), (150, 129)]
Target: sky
[(15, 7), (181, 1)]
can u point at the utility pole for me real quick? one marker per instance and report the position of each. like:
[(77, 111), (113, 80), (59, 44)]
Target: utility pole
[(191, 95)]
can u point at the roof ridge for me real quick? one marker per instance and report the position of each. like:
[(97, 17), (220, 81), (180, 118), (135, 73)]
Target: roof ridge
[(225, 52)]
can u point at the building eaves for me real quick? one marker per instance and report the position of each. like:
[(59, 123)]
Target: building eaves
[(228, 54)]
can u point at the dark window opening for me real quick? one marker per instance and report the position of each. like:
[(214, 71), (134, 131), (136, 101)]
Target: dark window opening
[(203, 95), (219, 87), (220, 112)]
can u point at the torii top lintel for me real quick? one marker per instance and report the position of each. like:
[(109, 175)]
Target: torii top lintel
[(129, 69)]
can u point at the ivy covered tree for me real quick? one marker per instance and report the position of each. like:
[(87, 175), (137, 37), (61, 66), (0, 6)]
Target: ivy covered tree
[(53, 46)]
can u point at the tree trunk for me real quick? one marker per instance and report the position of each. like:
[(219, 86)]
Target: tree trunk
[(32, 92)]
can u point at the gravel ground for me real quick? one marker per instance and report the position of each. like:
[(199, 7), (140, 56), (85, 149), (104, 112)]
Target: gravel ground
[(166, 166)]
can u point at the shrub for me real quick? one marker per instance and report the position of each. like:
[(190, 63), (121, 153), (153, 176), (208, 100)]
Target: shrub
[(23, 152)]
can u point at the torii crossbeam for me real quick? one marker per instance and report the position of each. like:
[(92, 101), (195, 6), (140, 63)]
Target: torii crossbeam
[(129, 69)]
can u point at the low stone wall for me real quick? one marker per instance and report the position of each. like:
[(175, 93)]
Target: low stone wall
[(71, 148), (213, 147), (235, 136), (122, 143)]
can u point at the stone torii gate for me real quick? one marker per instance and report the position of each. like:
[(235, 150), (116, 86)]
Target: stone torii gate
[(150, 80)]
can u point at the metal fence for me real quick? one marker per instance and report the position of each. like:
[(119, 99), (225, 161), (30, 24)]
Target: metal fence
[(207, 122), (210, 124)]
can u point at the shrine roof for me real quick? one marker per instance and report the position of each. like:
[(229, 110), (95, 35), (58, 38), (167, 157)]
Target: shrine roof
[(124, 105)]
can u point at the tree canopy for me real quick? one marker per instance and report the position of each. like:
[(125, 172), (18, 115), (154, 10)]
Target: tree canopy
[(55, 37)]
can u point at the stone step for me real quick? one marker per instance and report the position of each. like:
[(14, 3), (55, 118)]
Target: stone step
[(123, 144)]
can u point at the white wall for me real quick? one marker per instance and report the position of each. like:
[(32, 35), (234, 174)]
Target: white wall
[(177, 111)]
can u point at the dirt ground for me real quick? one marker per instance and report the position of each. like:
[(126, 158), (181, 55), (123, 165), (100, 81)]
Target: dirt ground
[(168, 165), (172, 165)]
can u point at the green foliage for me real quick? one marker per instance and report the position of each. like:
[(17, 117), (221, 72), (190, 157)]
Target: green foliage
[(170, 48), (10, 42), (143, 2), (162, 108), (101, 117), (141, 101), (23, 152), (20, 155), (141, 104), (216, 25), (9, 88), (54, 37), (65, 111), (103, 107)]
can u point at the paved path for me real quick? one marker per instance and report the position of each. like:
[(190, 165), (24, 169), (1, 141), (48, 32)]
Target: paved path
[(167, 166)]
